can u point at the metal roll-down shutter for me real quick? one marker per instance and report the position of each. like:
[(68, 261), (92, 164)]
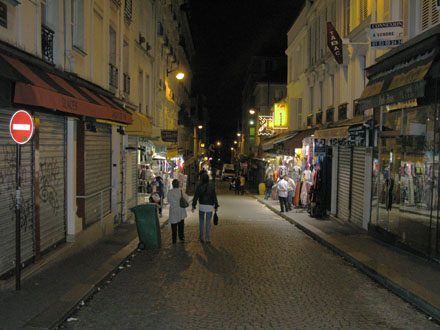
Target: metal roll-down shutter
[(52, 179), (132, 175), (357, 185), (98, 148), (344, 173)]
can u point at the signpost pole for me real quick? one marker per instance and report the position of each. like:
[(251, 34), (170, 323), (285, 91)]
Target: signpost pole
[(17, 224)]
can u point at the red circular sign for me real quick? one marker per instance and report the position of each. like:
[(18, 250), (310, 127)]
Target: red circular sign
[(21, 127)]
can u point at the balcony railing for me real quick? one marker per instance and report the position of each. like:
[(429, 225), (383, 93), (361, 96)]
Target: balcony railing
[(309, 121), (330, 115), (117, 2), (342, 111), (126, 83), (47, 43), (113, 75), (319, 118)]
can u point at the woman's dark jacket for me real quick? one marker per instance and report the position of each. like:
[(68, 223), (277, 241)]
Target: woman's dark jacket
[(205, 194)]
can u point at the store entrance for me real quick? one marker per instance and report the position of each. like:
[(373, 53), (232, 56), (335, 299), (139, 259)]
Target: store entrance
[(406, 183)]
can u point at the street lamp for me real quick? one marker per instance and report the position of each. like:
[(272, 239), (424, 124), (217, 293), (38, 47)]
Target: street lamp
[(195, 140), (219, 143), (238, 134), (235, 142), (252, 111)]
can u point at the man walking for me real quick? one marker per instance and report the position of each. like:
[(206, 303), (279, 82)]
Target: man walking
[(283, 189)]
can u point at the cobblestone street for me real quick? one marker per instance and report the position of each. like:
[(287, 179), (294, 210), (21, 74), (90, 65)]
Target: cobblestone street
[(259, 272)]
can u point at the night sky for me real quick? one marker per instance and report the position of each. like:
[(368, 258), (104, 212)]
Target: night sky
[(226, 34)]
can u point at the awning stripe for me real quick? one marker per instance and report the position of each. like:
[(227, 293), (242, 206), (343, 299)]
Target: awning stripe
[(29, 74), (69, 88)]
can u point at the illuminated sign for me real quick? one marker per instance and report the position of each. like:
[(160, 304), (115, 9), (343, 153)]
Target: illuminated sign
[(280, 116), (265, 125)]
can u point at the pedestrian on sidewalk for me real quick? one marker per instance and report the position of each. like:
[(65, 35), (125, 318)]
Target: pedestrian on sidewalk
[(242, 183), (207, 197), (283, 190), (237, 184), (158, 188), (269, 184), (290, 192), (177, 214)]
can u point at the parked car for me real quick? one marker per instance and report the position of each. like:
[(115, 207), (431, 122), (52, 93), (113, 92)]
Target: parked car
[(228, 171)]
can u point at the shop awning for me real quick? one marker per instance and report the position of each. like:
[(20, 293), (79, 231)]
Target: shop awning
[(296, 141), (141, 125), (332, 133), (402, 82), (36, 86), (270, 143)]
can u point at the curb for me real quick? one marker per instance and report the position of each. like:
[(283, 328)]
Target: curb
[(397, 289)]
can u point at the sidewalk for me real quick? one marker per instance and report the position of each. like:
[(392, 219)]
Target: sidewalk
[(412, 278), (55, 286)]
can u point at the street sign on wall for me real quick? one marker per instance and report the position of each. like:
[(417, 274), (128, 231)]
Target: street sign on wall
[(386, 34), (168, 135), (21, 127), (334, 43)]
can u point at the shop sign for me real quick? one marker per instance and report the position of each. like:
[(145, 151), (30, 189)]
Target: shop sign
[(168, 136), (402, 105), (319, 147), (265, 125), (356, 137), (334, 43), (386, 34), (280, 116)]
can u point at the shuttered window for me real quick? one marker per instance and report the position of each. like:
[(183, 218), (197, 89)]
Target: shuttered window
[(430, 14)]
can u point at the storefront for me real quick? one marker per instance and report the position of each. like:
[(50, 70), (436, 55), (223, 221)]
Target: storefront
[(66, 169), (404, 91)]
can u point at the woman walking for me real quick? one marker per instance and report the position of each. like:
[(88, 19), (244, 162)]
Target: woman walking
[(207, 197), (177, 214)]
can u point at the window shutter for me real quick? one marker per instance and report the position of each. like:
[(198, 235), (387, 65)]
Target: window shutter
[(430, 14), (363, 10)]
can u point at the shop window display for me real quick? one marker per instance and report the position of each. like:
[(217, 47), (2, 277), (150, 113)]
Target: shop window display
[(405, 198)]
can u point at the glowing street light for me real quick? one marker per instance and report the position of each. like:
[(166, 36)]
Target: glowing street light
[(251, 122), (235, 142), (252, 111), (180, 75), (238, 134), (200, 126), (219, 143)]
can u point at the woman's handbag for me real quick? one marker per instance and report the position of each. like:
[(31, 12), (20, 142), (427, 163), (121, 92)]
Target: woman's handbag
[(183, 203), (215, 218)]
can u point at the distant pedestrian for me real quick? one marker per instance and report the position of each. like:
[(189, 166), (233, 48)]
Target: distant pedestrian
[(283, 188), (290, 192), (242, 183), (237, 184), (177, 214), (159, 189), (207, 197), (269, 184)]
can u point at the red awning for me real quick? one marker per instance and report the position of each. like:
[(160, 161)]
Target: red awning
[(44, 89)]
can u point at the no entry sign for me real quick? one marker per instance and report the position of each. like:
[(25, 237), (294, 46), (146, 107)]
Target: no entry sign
[(21, 127)]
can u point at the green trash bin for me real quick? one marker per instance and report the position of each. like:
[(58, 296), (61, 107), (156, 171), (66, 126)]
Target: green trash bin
[(147, 223)]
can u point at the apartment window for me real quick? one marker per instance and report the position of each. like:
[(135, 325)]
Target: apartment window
[(141, 91), (128, 10), (311, 47), (330, 115), (362, 63), (430, 14), (342, 111), (321, 95), (113, 73), (77, 19), (332, 87), (347, 25), (3, 15), (47, 35), (147, 95), (363, 10)]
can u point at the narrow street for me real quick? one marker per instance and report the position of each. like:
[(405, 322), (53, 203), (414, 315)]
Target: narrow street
[(259, 272)]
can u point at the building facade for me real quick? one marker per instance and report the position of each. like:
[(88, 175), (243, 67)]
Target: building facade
[(96, 77), (332, 97)]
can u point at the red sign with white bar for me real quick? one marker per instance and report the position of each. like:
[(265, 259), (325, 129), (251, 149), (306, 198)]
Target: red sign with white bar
[(21, 127)]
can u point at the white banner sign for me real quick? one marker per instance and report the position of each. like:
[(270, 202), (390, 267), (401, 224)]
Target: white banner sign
[(386, 34)]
